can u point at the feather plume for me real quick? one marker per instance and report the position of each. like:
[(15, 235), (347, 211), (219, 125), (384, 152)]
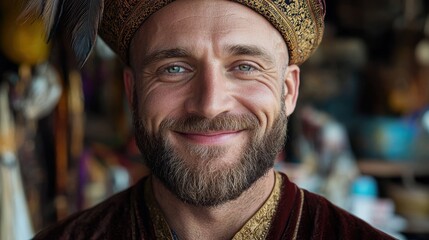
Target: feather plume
[(52, 12), (49, 11), (33, 9), (82, 18), (79, 20)]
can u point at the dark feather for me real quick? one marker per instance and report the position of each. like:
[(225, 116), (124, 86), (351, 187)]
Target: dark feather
[(54, 18), (48, 10), (79, 18), (33, 9), (49, 14), (82, 18)]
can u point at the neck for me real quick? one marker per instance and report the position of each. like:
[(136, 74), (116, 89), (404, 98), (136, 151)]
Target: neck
[(220, 222)]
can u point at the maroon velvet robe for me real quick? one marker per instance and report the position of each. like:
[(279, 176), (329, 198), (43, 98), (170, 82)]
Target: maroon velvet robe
[(125, 216)]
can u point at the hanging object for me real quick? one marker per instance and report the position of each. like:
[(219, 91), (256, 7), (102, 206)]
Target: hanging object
[(41, 94), (23, 43), (14, 215)]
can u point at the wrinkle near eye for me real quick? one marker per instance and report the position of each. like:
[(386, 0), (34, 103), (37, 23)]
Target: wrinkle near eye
[(270, 79)]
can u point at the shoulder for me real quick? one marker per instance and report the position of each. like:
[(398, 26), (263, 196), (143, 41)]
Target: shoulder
[(327, 219), (105, 219), (305, 215)]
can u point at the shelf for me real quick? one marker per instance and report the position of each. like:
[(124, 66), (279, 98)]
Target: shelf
[(380, 168)]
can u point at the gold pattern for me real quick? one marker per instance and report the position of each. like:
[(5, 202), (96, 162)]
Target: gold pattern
[(122, 18), (298, 222), (257, 227), (162, 230), (299, 21)]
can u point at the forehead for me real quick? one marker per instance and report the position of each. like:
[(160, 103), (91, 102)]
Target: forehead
[(191, 23)]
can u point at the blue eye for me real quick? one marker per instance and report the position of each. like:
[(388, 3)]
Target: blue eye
[(175, 69), (245, 67)]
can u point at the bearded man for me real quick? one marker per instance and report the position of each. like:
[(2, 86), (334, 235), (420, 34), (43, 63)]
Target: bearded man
[(211, 85)]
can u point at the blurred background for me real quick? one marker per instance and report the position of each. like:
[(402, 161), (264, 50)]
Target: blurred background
[(359, 136)]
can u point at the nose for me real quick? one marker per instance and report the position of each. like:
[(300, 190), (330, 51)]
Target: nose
[(211, 94)]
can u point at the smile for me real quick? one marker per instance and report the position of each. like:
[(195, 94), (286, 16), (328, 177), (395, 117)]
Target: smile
[(210, 138)]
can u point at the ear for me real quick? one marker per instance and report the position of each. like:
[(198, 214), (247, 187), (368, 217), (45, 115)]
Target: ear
[(291, 90), (128, 76)]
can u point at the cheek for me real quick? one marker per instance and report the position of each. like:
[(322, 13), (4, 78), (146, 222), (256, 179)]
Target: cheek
[(158, 103), (261, 100)]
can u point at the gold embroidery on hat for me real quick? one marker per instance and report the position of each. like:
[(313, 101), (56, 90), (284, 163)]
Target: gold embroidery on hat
[(300, 22)]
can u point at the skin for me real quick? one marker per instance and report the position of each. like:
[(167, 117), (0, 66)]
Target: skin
[(208, 58)]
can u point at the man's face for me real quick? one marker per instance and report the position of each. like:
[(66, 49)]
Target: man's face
[(211, 91)]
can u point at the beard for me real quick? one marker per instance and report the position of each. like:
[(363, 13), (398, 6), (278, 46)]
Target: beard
[(204, 181)]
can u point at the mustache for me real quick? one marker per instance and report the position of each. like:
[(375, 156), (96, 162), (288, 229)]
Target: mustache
[(223, 122)]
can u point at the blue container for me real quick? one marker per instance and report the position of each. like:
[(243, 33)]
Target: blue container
[(385, 138)]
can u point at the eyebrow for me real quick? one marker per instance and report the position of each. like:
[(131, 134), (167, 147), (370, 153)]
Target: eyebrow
[(235, 50), (250, 50), (164, 54)]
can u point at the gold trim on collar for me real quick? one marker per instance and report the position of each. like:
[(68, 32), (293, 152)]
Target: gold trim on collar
[(160, 225), (298, 223), (257, 227), (259, 224)]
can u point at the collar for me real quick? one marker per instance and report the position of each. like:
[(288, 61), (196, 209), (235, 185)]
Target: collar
[(257, 227)]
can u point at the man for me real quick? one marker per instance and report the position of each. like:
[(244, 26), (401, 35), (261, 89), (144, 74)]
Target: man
[(211, 84)]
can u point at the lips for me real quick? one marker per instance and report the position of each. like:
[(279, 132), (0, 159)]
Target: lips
[(218, 137)]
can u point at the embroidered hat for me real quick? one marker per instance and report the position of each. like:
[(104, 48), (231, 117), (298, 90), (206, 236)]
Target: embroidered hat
[(301, 22)]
